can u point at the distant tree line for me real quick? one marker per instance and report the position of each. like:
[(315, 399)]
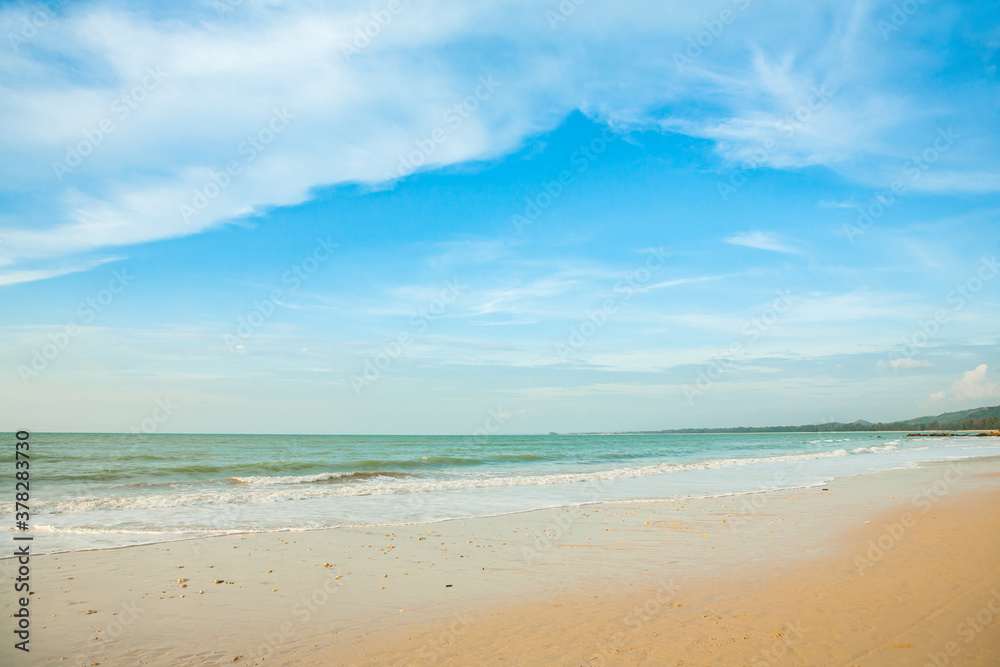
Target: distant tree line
[(991, 423), (982, 424)]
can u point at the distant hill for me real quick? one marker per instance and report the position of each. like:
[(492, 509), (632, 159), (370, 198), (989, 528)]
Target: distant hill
[(975, 413), (977, 419)]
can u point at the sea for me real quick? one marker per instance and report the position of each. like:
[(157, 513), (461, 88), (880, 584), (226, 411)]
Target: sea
[(94, 491)]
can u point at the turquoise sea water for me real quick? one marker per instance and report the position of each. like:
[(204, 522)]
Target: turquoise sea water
[(103, 490)]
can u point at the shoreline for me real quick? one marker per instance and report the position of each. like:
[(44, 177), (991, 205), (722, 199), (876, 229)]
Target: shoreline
[(880, 597), (458, 518), (350, 595), (175, 537), (909, 433)]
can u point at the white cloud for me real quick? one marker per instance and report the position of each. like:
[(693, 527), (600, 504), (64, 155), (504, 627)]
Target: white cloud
[(31, 275), (899, 364), (761, 241), (850, 307), (831, 203), (971, 182), (354, 118), (681, 281), (975, 384)]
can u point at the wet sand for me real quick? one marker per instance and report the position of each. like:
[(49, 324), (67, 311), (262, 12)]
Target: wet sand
[(898, 568)]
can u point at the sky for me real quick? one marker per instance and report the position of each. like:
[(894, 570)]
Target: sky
[(496, 216)]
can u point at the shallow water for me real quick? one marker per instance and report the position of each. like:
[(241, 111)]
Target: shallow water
[(103, 490)]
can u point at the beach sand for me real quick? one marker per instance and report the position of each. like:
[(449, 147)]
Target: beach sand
[(896, 568)]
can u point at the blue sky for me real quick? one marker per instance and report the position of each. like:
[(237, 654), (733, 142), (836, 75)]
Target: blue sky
[(577, 217)]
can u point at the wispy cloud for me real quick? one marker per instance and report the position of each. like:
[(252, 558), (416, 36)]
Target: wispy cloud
[(762, 241), (900, 364), (935, 397), (354, 120), (31, 275), (682, 281), (529, 142)]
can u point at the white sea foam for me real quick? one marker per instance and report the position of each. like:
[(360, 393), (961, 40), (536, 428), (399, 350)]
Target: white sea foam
[(164, 504), (270, 489), (264, 480)]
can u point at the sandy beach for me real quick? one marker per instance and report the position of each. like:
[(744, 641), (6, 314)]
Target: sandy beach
[(895, 568), (500, 334)]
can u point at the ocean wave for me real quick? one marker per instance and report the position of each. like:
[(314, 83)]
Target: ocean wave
[(105, 530), (874, 450), (261, 480), (445, 460), (211, 494), (253, 490)]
